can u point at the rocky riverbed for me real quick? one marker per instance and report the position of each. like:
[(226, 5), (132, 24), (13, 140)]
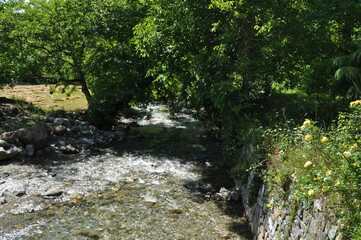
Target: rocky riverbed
[(162, 178)]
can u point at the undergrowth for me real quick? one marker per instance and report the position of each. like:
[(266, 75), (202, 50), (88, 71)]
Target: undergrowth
[(309, 162)]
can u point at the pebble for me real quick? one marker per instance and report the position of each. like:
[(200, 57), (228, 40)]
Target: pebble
[(53, 193), (59, 121)]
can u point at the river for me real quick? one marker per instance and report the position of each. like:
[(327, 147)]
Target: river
[(161, 182)]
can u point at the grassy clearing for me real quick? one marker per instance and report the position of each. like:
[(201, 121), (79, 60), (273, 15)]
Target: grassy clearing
[(44, 96)]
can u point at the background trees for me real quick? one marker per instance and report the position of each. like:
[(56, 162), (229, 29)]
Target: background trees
[(240, 59), (229, 58), (75, 42), (348, 74)]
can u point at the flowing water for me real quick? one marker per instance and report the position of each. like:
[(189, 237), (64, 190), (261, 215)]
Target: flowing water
[(159, 183)]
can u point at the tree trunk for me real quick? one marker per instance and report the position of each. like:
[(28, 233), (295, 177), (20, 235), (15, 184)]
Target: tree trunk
[(85, 90), (84, 87)]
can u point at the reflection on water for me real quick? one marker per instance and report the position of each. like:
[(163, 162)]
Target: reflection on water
[(151, 186)]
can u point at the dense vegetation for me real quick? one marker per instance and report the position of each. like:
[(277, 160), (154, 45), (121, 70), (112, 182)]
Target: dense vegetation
[(246, 66)]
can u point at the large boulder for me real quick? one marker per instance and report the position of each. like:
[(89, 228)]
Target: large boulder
[(38, 136)]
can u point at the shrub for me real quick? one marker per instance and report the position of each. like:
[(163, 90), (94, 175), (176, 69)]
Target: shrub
[(307, 163)]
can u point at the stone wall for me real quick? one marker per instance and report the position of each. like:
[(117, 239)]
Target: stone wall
[(272, 219)]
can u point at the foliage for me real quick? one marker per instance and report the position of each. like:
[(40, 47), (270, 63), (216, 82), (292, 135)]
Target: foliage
[(74, 42), (348, 75), (231, 59), (308, 163)]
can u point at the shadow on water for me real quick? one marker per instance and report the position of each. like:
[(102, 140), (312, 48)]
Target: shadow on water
[(190, 141)]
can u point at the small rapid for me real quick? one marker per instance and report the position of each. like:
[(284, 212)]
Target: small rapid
[(158, 183)]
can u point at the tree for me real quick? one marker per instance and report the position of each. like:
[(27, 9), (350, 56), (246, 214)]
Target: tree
[(348, 74), (75, 42)]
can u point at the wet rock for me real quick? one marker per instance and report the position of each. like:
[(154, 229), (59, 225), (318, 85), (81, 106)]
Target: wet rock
[(5, 175), (14, 151), (38, 136), (11, 153), (53, 193), (59, 130), (224, 194), (82, 123), (68, 149), (235, 195), (75, 129), (29, 150), (9, 137), (50, 119), (3, 154), (59, 121), (85, 128), (20, 192), (85, 132), (4, 144), (98, 139), (88, 141)]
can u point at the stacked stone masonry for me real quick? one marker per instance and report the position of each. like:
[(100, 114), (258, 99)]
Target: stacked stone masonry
[(272, 220)]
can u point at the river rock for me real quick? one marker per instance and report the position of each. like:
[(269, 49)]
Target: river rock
[(224, 194), (9, 195), (3, 154), (76, 129), (69, 149), (59, 121), (53, 193), (59, 130), (9, 137), (11, 153), (29, 150), (14, 151), (4, 144), (20, 192), (38, 136), (88, 141)]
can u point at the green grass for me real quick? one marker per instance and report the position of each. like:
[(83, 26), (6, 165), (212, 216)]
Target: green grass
[(40, 96)]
